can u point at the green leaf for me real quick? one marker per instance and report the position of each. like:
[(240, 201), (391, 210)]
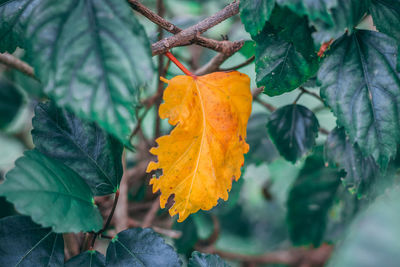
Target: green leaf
[(90, 258), (261, 147), (11, 101), (386, 16), (14, 18), (24, 243), (254, 14), (315, 10), (293, 129), (285, 56), (92, 57), (206, 260), (186, 242), (346, 15), (309, 201), (82, 146), (372, 239), (52, 194), (361, 85), (340, 152), (140, 247)]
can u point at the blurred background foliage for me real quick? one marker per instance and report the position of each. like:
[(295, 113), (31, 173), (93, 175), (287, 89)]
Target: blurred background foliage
[(274, 206)]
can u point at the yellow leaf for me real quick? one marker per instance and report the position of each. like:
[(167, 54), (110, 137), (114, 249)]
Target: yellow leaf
[(204, 152)]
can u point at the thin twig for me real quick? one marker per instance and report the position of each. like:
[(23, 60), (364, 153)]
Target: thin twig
[(121, 211), (95, 235), (265, 104), (241, 65), (160, 84), (292, 257), (167, 232), (304, 90), (216, 62), (151, 213), (298, 97), (214, 235), (15, 63), (256, 92)]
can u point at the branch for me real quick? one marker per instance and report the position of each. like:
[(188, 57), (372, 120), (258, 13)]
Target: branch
[(219, 46), (15, 63), (151, 213), (304, 90), (121, 211), (167, 232), (192, 33), (292, 257), (217, 61), (241, 65)]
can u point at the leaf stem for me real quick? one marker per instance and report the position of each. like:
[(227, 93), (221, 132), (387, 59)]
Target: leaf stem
[(179, 64), (96, 234)]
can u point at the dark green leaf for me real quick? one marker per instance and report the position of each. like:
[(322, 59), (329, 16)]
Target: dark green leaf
[(189, 237), (206, 260), (340, 152), (386, 16), (293, 129), (346, 15), (82, 146), (11, 101), (140, 247), (285, 56), (92, 57), (14, 18), (26, 244), (254, 14), (361, 85), (90, 258), (310, 199), (51, 193), (261, 147), (315, 10), (372, 240)]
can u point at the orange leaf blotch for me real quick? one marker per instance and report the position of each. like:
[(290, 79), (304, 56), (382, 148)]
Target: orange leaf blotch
[(205, 150)]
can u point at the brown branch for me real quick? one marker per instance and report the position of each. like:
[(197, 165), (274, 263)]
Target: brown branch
[(214, 235), (181, 38), (71, 245), (292, 257), (219, 46), (220, 58), (304, 90), (161, 73), (265, 104), (167, 232), (121, 211), (151, 213), (192, 33), (15, 63)]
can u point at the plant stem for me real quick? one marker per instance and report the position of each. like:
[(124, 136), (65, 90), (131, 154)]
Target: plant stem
[(95, 235), (179, 64)]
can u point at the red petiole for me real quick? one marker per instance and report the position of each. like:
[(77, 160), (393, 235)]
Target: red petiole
[(179, 64)]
